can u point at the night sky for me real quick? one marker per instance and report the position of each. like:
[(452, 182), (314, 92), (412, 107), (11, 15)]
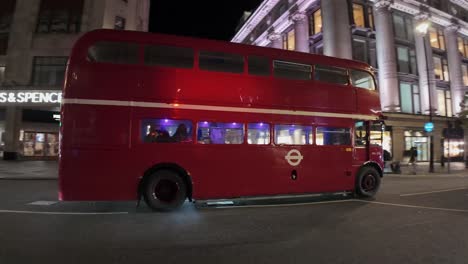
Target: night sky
[(211, 19)]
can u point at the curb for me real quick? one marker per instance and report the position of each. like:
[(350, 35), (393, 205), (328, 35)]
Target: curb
[(27, 178)]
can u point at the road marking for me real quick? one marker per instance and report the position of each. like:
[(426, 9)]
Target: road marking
[(415, 206), (44, 203), (421, 193), (280, 205), (59, 213)]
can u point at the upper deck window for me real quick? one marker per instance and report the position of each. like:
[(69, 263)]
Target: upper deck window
[(169, 56), (291, 70), (331, 74), (362, 79), (222, 62), (259, 66), (113, 52)]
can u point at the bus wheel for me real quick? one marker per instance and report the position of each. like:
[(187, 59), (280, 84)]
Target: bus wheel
[(367, 182), (165, 190)]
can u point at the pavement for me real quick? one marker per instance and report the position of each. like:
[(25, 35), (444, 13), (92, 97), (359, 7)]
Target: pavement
[(29, 170)]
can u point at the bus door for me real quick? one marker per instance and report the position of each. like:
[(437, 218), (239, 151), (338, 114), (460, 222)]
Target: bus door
[(368, 138), (334, 157)]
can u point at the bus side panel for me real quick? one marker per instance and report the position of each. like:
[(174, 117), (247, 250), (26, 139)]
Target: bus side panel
[(94, 153), (96, 175), (368, 102)]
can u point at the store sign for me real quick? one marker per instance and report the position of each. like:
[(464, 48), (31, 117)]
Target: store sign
[(30, 97), (429, 126)]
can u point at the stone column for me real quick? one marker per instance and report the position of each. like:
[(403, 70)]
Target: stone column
[(438, 147), (466, 145), (427, 82), (386, 57), (13, 117), (301, 31), (457, 88), (398, 142), (276, 40), (18, 67), (336, 29)]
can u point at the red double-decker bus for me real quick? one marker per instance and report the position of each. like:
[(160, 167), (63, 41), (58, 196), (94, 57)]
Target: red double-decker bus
[(169, 118)]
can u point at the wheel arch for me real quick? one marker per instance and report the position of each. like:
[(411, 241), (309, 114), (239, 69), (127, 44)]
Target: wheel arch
[(371, 164), (170, 166)]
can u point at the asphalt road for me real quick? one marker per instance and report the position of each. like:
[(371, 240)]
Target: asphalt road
[(414, 219)]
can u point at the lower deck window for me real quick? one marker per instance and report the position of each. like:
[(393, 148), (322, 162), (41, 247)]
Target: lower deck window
[(220, 133), (293, 135), (333, 136), (166, 131), (258, 133)]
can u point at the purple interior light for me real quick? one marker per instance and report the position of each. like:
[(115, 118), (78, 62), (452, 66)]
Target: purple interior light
[(203, 124)]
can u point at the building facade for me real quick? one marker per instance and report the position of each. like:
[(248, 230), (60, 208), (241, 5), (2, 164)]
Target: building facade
[(419, 75), (36, 37)]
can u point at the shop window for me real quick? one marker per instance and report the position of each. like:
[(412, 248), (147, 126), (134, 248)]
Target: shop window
[(362, 79), (258, 133), (370, 15), (409, 98), (178, 57), (333, 136), (289, 40), (39, 144), (7, 8), (403, 26), (113, 52), (2, 74), (358, 15), (166, 131), (418, 140), (406, 60), (465, 74), (444, 102), (3, 43), (58, 16), (364, 50), (119, 23), (293, 135), (331, 74), (221, 62), (220, 133), (463, 47), (291, 70), (259, 66), (436, 38), (441, 68), (49, 71), (315, 22), (359, 50)]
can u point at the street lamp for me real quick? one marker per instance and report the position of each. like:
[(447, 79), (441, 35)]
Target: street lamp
[(422, 28)]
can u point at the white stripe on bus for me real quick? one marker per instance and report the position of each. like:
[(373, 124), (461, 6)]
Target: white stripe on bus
[(215, 108)]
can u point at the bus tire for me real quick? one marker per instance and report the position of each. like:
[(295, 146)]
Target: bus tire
[(164, 190), (367, 182)]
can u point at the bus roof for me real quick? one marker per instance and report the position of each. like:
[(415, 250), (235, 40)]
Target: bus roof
[(215, 45)]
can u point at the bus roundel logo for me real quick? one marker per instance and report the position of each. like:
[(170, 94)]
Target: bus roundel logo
[(294, 157)]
